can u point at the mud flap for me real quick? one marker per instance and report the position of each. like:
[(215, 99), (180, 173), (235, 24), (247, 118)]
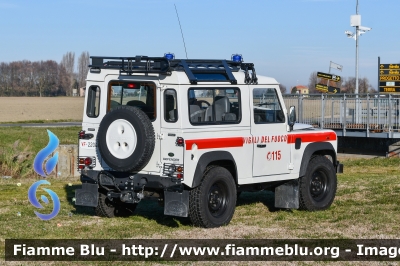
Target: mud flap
[(339, 168), (287, 195), (176, 204), (87, 196)]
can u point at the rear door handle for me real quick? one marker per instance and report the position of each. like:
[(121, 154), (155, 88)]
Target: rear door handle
[(261, 145)]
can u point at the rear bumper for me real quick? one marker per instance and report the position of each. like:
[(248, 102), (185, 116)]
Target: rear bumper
[(128, 181), (132, 188), (127, 187)]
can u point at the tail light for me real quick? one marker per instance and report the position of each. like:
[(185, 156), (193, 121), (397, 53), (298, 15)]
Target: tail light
[(173, 170), (82, 135), (179, 173), (89, 162), (179, 141)]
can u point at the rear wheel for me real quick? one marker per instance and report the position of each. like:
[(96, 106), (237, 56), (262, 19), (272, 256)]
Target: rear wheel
[(213, 202), (114, 208), (318, 186)]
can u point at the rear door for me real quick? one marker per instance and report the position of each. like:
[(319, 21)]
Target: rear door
[(144, 95)]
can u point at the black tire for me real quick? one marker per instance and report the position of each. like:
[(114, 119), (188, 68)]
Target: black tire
[(126, 139), (318, 186), (115, 208), (213, 202)]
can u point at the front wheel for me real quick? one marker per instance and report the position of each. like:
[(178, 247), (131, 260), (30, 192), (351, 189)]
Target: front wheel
[(213, 202), (318, 186)]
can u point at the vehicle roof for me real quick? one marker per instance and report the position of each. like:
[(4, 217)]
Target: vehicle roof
[(177, 71), (176, 77)]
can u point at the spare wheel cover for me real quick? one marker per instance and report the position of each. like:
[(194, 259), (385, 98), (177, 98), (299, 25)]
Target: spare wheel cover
[(121, 139), (126, 139)]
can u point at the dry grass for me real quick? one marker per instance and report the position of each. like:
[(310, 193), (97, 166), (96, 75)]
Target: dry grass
[(366, 207), (13, 109)]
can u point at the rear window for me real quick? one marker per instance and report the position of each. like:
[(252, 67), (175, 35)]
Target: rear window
[(138, 94), (93, 101), (170, 106)]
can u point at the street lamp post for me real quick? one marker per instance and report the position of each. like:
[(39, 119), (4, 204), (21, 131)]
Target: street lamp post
[(355, 21), (357, 34)]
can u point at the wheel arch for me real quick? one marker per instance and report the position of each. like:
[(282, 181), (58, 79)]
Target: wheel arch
[(220, 158), (316, 148)]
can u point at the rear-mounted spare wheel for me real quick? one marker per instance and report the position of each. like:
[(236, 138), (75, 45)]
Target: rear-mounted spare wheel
[(126, 139)]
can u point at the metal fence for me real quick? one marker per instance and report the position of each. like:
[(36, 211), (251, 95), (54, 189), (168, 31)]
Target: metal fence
[(349, 113)]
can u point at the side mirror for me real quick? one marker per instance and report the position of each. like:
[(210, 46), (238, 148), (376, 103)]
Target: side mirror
[(292, 117)]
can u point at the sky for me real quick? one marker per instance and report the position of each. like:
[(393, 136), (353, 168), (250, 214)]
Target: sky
[(285, 39)]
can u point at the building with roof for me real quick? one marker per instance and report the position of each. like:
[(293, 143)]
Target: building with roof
[(300, 89)]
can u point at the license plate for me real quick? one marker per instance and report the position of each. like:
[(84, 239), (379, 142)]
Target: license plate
[(87, 144)]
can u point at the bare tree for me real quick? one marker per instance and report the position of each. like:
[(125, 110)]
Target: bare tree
[(349, 85), (312, 81), (365, 86), (68, 62), (40, 78), (83, 62), (63, 81), (46, 77), (282, 88), (5, 79)]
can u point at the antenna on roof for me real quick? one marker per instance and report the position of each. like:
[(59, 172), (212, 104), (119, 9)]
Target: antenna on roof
[(181, 31)]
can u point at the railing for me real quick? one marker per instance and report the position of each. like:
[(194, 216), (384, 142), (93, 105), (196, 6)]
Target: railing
[(347, 114)]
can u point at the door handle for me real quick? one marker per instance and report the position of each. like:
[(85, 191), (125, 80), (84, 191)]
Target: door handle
[(261, 145)]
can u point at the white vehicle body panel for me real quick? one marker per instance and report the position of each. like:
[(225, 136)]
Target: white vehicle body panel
[(277, 160)]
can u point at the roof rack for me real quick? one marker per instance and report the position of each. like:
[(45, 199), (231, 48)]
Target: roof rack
[(130, 65), (201, 66), (145, 64)]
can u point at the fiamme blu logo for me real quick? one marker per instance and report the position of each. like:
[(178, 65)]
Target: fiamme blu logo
[(44, 166)]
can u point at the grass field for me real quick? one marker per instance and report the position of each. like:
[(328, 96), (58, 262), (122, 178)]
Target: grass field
[(19, 146), (366, 206), (15, 109)]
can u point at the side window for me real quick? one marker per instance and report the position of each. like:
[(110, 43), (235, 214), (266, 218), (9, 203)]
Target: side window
[(93, 102), (214, 106), (267, 108), (138, 94), (170, 106)]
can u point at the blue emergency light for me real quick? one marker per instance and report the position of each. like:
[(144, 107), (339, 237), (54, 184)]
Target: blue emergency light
[(169, 56), (237, 58)]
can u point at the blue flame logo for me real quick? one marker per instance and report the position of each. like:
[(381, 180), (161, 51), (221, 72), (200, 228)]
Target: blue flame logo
[(50, 164), (44, 153), (35, 202)]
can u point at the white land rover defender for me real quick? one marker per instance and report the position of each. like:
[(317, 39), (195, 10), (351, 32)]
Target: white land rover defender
[(194, 134)]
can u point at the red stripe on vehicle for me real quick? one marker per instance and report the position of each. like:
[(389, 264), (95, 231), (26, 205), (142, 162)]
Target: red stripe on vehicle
[(215, 143), (312, 137)]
